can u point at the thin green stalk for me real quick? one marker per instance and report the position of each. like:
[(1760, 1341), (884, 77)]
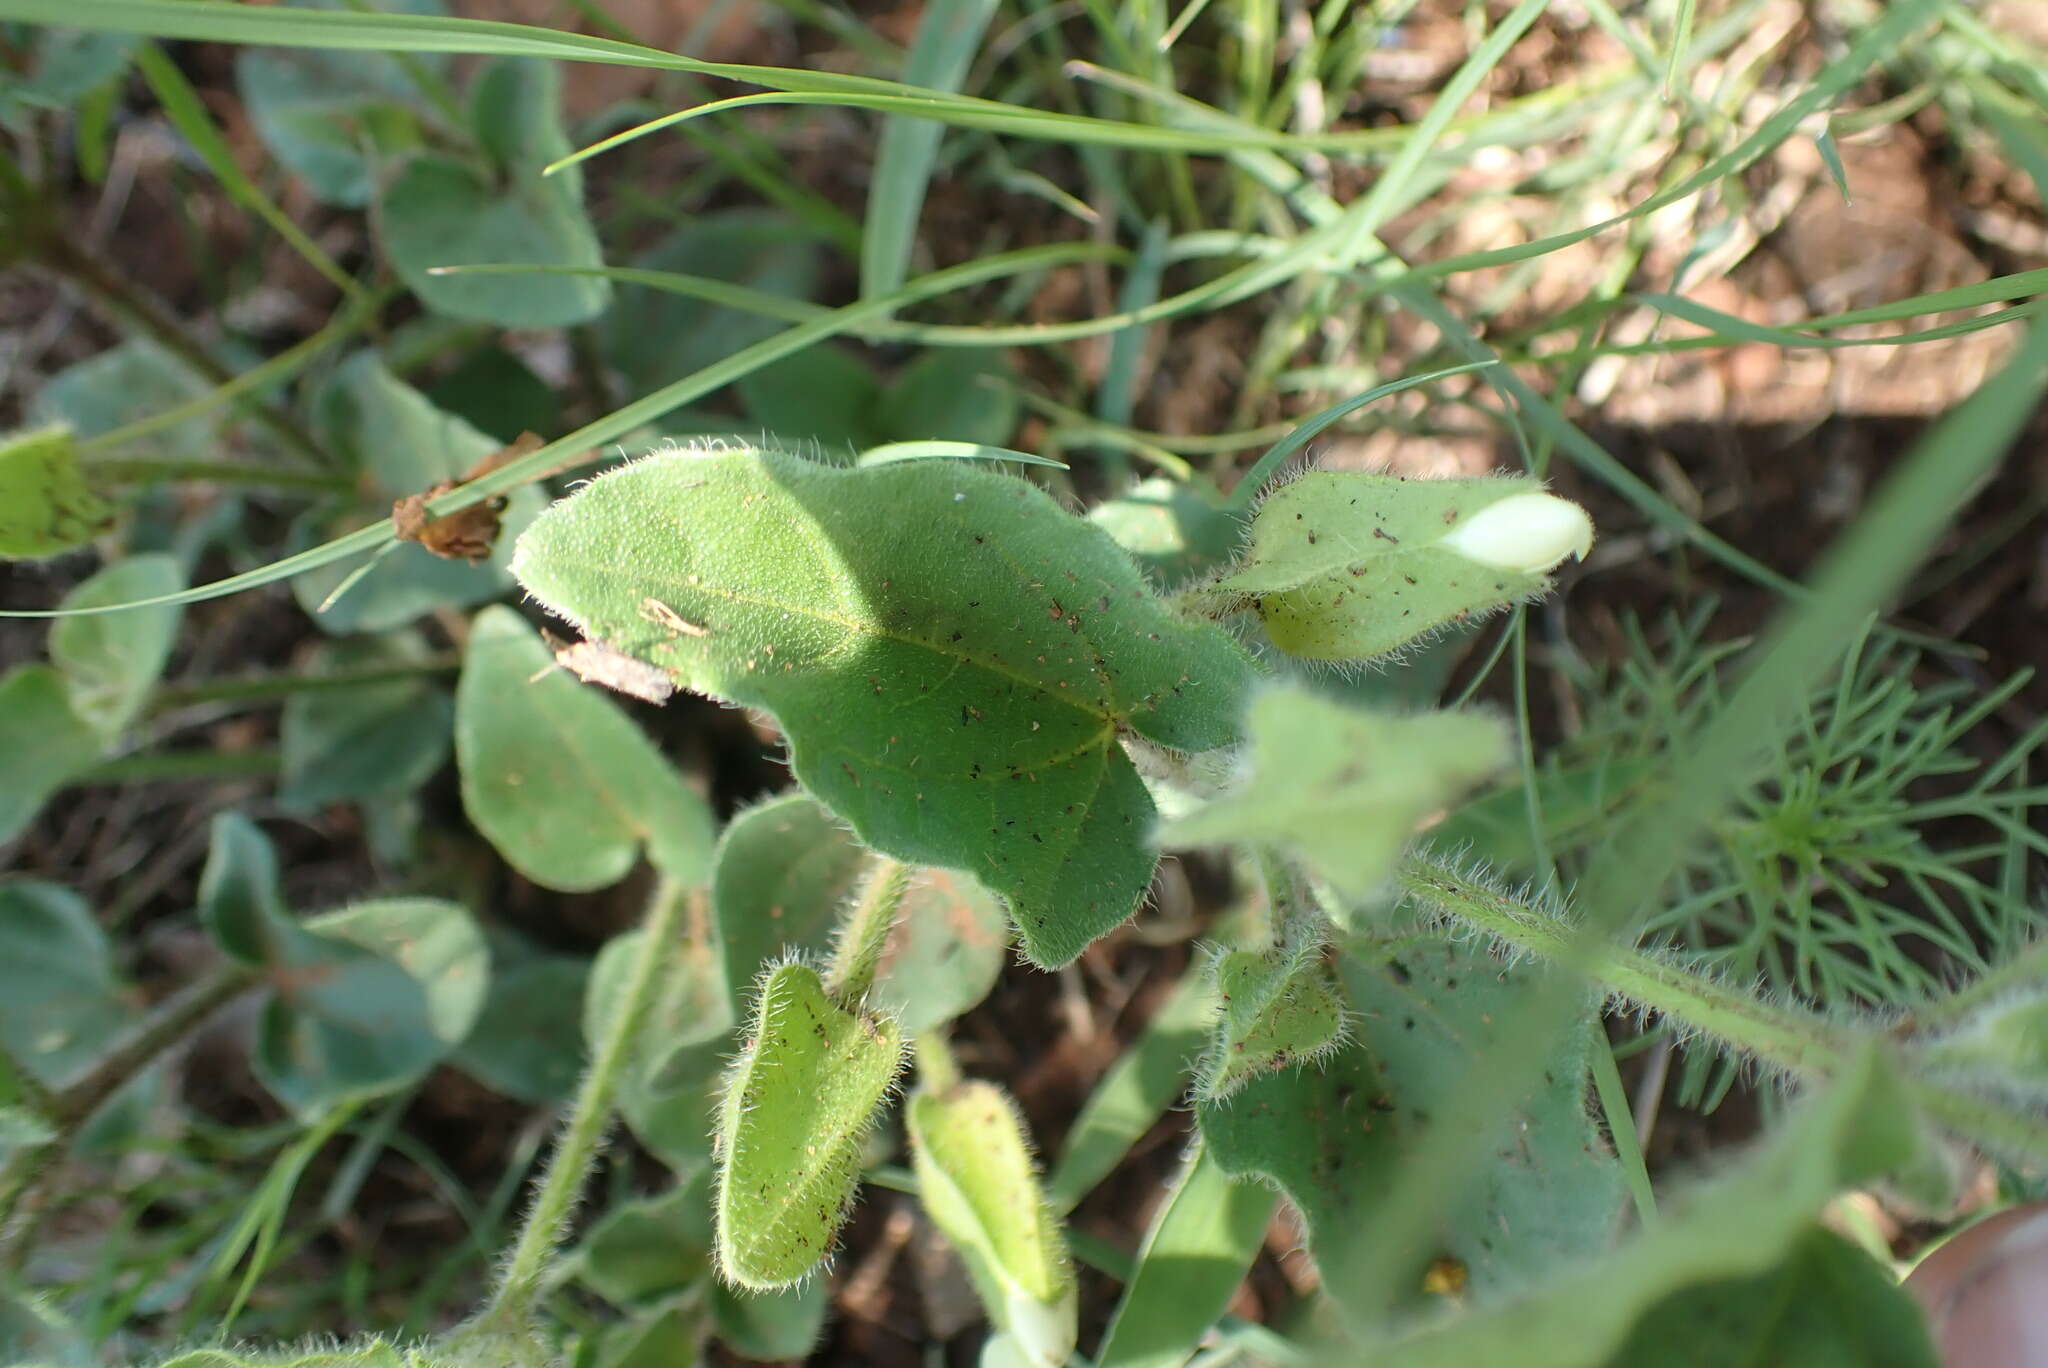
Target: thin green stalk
[(937, 1070), (589, 1117), (1622, 1128), (858, 954), (164, 767)]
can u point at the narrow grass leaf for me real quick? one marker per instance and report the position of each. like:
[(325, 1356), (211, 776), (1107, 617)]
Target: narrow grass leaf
[(948, 35)]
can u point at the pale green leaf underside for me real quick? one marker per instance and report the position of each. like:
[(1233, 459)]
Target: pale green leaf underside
[(1344, 787), (1346, 566), (952, 657), (797, 1102)]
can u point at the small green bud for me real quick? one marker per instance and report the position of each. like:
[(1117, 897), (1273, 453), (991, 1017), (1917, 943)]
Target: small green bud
[(1526, 532)]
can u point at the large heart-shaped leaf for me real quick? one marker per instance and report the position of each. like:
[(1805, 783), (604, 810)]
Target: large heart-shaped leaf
[(954, 659), (562, 782)]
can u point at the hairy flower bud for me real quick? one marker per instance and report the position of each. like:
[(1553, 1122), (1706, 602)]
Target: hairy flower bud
[(1526, 532)]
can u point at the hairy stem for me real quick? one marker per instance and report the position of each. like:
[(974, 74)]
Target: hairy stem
[(858, 954), (68, 1108), (590, 1114), (1785, 1038)]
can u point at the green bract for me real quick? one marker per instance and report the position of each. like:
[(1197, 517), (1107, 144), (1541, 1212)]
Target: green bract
[(1279, 1007), (1346, 566), (45, 504), (953, 658), (798, 1100)]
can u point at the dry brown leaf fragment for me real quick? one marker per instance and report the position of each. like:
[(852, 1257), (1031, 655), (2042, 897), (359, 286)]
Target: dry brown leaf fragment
[(594, 662), (467, 533)]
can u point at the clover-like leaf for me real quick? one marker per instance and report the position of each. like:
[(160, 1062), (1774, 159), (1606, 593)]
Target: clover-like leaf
[(779, 875), (770, 1326), (953, 658), (44, 744), (46, 506), (369, 998), (558, 779), (528, 1042), (64, 1000), (112, 660), (240, 903), (944, 954), (1342, 786), (375, 740), (797, 1102), (1169, 529), (1346, 566), (1279, 1008), (650, 1248), (977, 1183), (444, 211), (335, 118)]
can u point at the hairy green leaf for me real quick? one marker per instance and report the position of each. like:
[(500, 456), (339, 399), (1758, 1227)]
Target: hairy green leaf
[(1827, 1305), (1279, 1008), (784, 870), (559, 780), (443, 211), (780, 873), (1551, 1190), (1342, 786), (369, 998), (977, 1183), (46, 506), (1324, 1136), (112, 660), (43, 743), (1196, 1252), (1346, 566), (944, 954), (798, 1099), (1737, 1226), (952, 657)]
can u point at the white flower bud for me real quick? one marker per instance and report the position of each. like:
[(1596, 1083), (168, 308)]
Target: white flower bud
[(1525, 532)]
